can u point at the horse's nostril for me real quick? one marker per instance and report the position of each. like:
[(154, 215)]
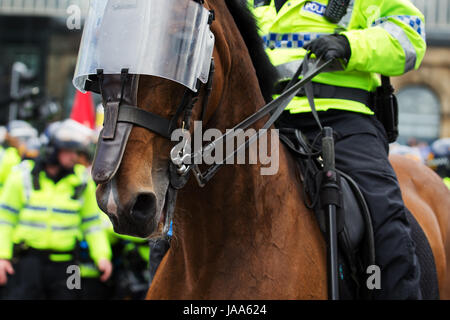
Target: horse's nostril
[(144, 207)]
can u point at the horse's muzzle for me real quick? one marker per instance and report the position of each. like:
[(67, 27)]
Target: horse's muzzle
[(137, 217)]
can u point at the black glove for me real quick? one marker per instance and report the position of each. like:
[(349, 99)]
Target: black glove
[(330, 47)]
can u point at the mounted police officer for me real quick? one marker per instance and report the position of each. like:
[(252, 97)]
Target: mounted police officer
[(46, 207), (373, 37)]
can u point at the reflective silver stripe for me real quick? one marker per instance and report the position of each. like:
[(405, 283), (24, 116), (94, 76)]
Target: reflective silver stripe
[(84, 180), (64, 228), (56, 210), (93, 229), (64, 211), (10, 209), (399, 34), (34, 208), (44, 226), (85, 176), (7, 223), (26, 176), (33, 225), (93, 218), (287, 70), (345, 21), (2, 154), (413, 22)]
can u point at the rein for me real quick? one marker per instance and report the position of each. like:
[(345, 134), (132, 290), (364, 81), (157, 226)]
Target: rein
[(274, 108), (119, 112)]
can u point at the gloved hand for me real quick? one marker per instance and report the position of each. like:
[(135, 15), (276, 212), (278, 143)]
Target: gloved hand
[(330, 47)]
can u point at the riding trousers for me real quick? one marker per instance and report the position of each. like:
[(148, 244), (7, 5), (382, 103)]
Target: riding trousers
[(38, 278), (362, 152)]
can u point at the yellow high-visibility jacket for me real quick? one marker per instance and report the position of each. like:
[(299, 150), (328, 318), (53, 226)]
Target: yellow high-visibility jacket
[(386, 37), (9, 158), (50, 218)]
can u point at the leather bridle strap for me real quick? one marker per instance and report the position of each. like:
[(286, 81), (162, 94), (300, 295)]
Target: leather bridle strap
[(163, 126), (145, 120), (154, 122), (275, 108)]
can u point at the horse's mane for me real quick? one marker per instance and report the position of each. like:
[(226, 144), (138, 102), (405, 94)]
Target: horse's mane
[(245, 21)]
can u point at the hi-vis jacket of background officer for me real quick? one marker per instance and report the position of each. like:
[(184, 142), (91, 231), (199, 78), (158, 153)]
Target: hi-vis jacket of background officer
[(50, 218), (447, 182), (386, 37), (9, 157)]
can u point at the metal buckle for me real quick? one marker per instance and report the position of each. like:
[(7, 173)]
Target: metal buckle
[(180, 157), (198, 176)]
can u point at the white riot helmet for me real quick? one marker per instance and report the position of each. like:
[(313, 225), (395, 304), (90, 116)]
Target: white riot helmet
[(69, 135), (21, 130), (72, 135)]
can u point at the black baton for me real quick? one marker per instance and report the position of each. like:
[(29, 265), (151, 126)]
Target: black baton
[(330, 201)]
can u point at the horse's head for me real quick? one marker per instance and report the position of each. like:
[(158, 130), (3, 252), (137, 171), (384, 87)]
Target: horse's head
[(133, 165), (165, 73), (137, 196)]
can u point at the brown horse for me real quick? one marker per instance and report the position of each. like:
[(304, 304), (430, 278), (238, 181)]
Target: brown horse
[(429, 201), (243, 236)]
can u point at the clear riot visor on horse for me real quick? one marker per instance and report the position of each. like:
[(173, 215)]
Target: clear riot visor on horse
[(170, 39)]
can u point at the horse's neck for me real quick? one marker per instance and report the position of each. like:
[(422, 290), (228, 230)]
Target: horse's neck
[(233, 222), (232, 197), (244, 236), (237, 236)]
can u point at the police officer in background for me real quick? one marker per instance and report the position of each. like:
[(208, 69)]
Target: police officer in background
[(9, 157), (18, 142), (371, 37), (46, 207), (19, 133)]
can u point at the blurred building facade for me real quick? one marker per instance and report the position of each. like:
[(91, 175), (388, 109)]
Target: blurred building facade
[(35, 32), (424, 95)]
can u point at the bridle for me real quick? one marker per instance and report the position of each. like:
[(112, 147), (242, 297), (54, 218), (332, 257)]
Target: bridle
[(118, 112), (122, 113)]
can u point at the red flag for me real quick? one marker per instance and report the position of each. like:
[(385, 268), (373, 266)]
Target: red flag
[(83, 110)]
